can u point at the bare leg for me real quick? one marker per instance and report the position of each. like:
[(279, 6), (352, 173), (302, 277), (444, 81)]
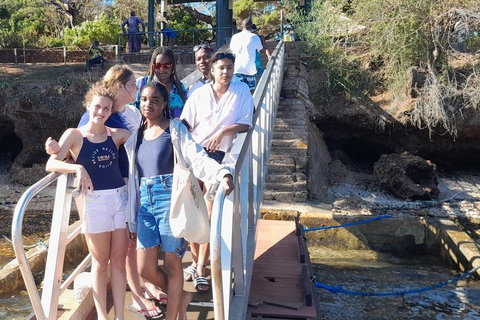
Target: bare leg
[(99, 246), (119, 280), (147, 260), (176, 295), (204, 252), (133, 278)]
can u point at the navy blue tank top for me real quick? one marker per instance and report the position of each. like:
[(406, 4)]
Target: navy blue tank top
[(155, 157), (101, 162)]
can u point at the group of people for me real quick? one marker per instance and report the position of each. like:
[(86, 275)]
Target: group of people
[(123, 158)]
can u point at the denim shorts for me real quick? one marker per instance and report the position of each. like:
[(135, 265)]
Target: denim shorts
[(105, 210), (154, 216), (251, 81)]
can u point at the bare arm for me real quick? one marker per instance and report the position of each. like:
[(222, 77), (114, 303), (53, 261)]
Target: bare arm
[(70, 141), (214, 142)]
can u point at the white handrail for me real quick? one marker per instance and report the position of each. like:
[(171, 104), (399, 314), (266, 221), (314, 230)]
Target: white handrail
[(234, 217)]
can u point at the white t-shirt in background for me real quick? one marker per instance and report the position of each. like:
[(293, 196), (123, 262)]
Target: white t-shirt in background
[(244, 45)]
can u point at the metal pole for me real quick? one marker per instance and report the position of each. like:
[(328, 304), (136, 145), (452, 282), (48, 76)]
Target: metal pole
[(151, 23), (116, 52), (64, 55), (16, 55)]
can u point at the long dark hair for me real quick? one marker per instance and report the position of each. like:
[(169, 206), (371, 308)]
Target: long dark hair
[(174, 77), (160, 88)]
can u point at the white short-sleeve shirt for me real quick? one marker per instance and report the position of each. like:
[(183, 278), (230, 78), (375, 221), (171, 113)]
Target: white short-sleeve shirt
[(206, 117), (244, 45)]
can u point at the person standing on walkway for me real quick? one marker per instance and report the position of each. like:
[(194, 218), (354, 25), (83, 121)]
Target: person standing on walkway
[(203, 54), (134, 37), (258, 54), (216, 112), (151, 157), (163, 69), (94, 148), (120, 80), (244, 45)]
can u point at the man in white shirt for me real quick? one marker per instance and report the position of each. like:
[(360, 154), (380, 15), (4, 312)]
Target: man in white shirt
[(244, 45)]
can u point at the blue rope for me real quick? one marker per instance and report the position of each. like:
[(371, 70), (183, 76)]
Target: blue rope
[(339, 289), (348, 224)]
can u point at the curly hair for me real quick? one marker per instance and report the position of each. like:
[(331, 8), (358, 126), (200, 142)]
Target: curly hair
[(97, 89)]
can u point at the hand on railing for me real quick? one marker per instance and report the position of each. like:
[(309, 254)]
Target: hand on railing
[(84, 181)]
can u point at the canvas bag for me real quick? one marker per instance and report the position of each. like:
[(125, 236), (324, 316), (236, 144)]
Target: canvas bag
[(188, 211)]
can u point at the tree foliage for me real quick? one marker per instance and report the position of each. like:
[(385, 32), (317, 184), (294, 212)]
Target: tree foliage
[(406, 46)]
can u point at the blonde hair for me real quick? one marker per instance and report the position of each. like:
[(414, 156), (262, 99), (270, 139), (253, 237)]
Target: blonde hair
[(117, 74), (97, 89)]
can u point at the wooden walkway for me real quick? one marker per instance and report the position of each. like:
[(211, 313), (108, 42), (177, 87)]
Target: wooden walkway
[(281, 286)]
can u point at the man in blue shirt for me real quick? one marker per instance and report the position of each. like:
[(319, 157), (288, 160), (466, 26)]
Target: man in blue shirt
[(134, 38)]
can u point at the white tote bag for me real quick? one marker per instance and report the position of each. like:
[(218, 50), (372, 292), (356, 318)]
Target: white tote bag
[(188, 211)]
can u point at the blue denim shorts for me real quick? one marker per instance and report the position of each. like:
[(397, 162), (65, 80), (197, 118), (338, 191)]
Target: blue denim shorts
[(154, 216), (251, 81)]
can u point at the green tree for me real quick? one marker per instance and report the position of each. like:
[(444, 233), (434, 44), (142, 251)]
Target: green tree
[(102, 29)]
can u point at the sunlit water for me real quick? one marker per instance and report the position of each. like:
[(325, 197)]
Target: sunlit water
[(369, 271)]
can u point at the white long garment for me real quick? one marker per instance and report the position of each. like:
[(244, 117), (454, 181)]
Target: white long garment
[(203, 167), (244, 45), (207, 117)]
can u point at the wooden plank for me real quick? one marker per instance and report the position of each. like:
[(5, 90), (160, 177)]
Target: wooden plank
[(277, 288)]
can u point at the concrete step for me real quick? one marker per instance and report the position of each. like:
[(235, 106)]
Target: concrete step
[(280, 168), (288, 113), (280, 178), (293, 143), (289, 197), (290, 152), (286, 178), (286, 187), (292, 108), (290, 122), (284, 135)]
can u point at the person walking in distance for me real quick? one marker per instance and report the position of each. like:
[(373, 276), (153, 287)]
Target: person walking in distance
[(244, 45)]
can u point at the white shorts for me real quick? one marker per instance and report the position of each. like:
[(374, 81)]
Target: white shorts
[(105, 210)]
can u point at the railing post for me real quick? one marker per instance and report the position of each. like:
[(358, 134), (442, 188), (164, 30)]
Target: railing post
[(64, 55), (56, 250), (16, 55), (116, 52)]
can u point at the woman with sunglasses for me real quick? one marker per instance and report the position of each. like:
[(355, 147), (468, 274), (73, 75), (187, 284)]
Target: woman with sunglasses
[(151, 155), (163, 69), (203, 54), (216, 112)]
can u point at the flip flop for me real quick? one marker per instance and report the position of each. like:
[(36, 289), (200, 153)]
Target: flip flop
[(201, 281), (190, 272), (144, 312)]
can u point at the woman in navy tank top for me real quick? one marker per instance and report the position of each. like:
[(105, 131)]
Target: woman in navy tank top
[(151, 157), (94, 147)]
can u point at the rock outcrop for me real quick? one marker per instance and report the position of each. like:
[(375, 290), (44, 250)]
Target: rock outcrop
[(33, 110), (407, 176)]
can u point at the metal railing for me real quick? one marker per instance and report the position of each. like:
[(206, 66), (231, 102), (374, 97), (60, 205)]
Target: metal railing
[(53, 286), (184, 37), (234, 217)]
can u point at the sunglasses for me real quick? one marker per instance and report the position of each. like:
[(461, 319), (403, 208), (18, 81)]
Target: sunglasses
[(222, 55), (201, 46), (162, 66)]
